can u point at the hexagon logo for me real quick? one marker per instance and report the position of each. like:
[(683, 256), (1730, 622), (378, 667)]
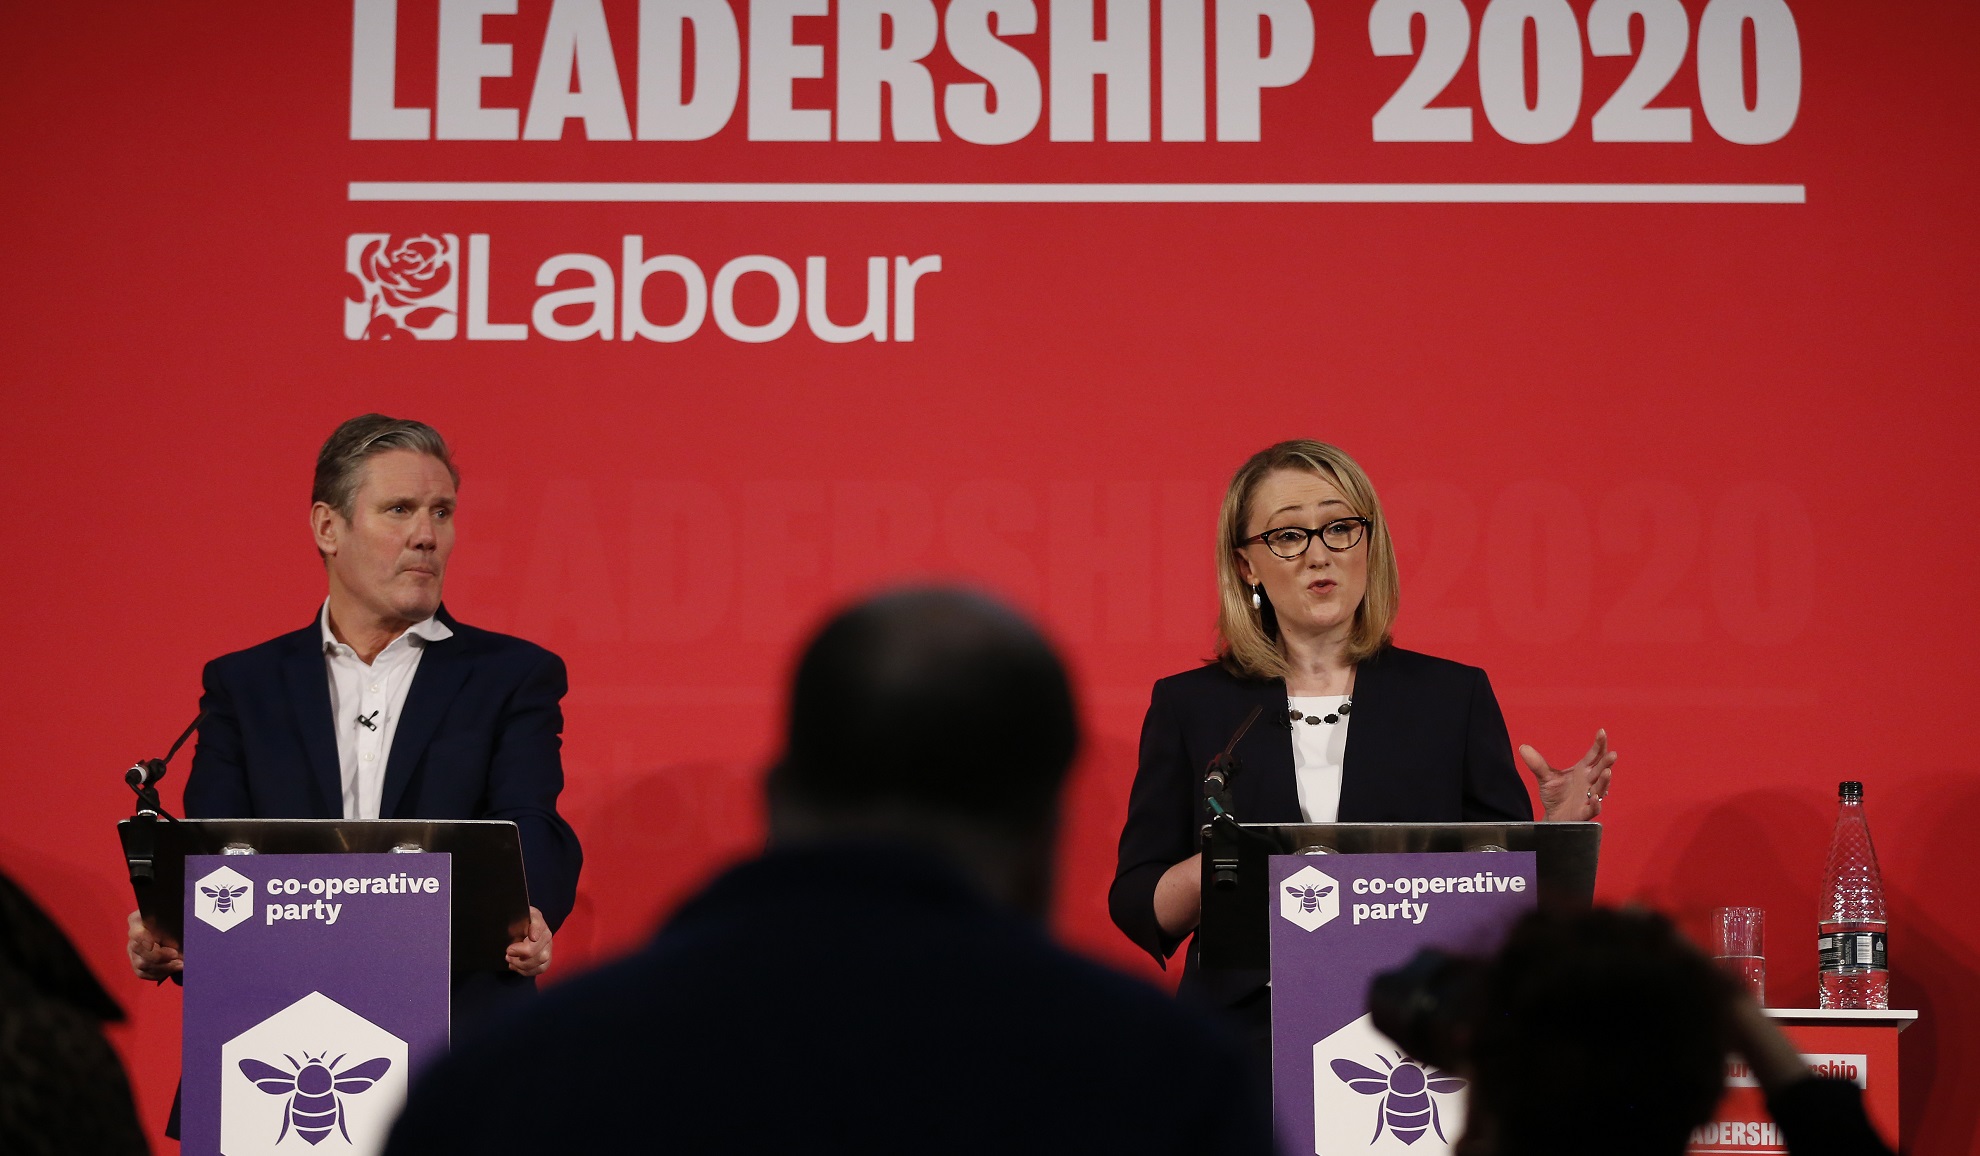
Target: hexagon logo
[(224, 899), (1370, 1096), (1310, 898), (315, 1071)]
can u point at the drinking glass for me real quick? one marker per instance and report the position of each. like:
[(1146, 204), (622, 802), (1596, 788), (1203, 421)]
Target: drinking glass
[(1739, 944)]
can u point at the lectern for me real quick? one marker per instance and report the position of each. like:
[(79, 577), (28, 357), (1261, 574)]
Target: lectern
[(1322, 908), (319, 958)]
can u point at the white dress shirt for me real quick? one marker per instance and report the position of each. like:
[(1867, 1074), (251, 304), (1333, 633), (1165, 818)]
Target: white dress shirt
[(374, 693), (1319, 754)]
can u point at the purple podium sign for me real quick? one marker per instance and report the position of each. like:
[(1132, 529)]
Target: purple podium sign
[(315, 986), (1340, 1086)]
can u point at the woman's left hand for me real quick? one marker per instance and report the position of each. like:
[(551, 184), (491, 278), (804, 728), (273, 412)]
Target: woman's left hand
[(1573, 794)]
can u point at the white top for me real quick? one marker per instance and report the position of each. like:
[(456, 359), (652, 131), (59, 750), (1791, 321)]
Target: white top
[(1319, 752), (1878, 1018), (376, 693)]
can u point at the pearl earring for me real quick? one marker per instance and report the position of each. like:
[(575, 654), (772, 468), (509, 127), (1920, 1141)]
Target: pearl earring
[(1258, 597)]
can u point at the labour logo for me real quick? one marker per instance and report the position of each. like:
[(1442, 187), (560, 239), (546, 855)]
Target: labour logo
[(315, 1071), (406, 286), (1310, 898), (224, 898)]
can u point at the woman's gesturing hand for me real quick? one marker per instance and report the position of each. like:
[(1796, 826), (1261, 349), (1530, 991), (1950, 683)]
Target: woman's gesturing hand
[(1573, 794)]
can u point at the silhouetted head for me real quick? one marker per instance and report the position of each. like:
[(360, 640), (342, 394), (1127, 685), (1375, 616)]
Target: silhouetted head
[(1602, 1032), (936, 715), (36, 956)]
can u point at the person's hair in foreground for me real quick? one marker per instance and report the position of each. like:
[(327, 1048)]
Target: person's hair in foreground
[(1628, 1022), (1605, 1032), (937, 715), (62, 1089)]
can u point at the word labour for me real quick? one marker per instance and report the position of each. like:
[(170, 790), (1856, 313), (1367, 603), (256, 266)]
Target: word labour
[(1415, 887), (413, 285)]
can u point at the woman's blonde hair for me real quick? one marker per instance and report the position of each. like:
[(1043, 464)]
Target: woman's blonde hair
[(1247, 638)]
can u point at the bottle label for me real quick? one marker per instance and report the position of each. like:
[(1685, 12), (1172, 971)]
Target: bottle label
[(1849, 949)]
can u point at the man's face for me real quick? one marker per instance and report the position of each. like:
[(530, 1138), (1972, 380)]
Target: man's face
[(390, 557)]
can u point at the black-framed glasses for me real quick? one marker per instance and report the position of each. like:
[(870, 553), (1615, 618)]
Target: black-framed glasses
[(1291, 541)]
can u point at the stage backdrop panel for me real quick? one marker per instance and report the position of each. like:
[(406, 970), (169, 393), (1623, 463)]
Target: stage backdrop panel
[(1651, 320)]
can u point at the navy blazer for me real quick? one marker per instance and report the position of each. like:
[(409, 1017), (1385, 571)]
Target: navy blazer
[(479, 738), (853, 998), (1426, 743)]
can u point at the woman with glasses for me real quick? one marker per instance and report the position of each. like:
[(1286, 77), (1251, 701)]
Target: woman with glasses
[(1350, 728)]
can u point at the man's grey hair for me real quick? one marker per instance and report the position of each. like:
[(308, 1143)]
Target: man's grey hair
[(340, 464)]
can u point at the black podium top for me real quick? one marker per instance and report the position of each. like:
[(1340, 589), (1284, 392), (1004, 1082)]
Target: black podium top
[(1237, 907), (491, 895)]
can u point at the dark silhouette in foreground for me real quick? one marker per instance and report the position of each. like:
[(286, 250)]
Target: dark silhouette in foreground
[(1604, 1033), (63, 1091), (879, 980)]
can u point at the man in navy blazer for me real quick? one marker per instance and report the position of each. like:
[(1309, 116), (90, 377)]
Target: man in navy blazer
[(385, 706), (478, 739)]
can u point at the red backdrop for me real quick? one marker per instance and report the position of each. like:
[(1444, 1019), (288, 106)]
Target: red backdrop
[(1699, 473)]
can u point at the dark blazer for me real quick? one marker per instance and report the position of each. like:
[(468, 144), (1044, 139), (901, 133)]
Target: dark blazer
[(1426, 743), (854, 998), (478, 739)]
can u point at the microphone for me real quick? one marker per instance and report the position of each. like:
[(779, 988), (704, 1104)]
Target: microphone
[(145, 774), (365, 721), (1217, 776)]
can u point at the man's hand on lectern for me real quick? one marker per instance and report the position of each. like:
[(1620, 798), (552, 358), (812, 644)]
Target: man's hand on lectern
[(154, 958), (531, 954)]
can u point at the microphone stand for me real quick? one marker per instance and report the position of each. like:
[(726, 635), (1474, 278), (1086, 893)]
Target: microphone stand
[(139, 835), (1224, 830), (1231, 935)]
